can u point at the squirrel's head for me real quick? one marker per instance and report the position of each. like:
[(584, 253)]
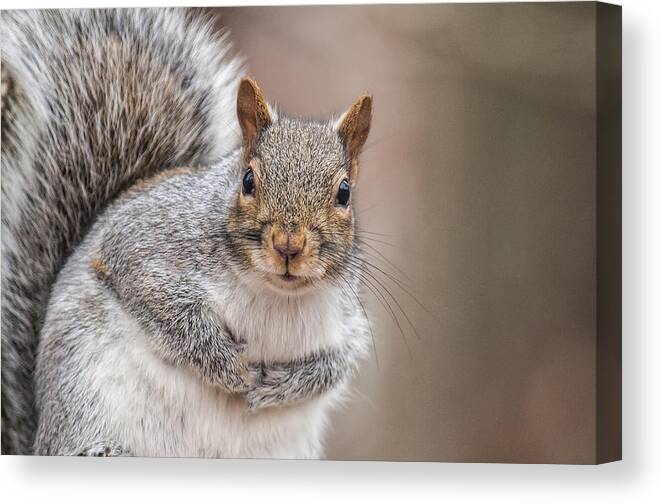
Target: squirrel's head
[(292, 222)]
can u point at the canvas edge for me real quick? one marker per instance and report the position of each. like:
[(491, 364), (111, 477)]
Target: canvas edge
[(609, 232)]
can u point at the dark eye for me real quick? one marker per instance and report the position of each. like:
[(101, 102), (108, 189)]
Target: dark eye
[(343, 193), (249, 182)]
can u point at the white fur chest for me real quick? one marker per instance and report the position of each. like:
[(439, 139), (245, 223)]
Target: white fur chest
[(281, 328), (170, 411)]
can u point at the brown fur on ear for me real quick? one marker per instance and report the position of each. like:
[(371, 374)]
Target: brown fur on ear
[(252, 111), (355, 125)]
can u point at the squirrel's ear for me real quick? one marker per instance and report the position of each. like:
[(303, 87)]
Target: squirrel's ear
[(354, 125), (252, 111)]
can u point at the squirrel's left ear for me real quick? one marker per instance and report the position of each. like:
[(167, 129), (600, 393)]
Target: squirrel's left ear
[(354, 125), (253, 113)]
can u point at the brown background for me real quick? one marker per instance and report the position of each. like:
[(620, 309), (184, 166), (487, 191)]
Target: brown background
[(479, 175)]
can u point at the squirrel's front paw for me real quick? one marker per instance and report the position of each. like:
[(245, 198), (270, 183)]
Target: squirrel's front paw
[(270, 387), (104, 449), (236, 382), (263, 397), (230, 371)]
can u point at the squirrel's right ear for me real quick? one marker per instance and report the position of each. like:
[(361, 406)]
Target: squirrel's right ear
[(253, 113), (354, 125)]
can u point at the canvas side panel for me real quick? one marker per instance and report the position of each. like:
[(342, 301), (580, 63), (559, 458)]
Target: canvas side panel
[(609, 232)]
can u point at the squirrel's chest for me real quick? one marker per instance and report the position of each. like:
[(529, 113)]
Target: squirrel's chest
[(277, 329)]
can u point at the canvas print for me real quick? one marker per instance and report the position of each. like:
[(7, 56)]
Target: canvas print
[(360, 232)]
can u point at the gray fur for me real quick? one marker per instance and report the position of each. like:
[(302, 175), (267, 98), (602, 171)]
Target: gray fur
[(159, 246)]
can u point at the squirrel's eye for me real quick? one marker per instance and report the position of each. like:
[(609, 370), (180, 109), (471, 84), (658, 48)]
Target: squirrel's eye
[(249, 182), (343, 193)]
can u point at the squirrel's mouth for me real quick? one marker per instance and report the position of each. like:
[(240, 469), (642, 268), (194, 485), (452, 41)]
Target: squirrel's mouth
[(288, 277), (286, 282), (290, 280)]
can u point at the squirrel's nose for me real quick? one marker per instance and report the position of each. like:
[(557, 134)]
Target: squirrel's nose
[(288, 245), (288, 251)]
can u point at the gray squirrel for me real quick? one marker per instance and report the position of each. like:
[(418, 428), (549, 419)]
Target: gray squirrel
[(167, 289)]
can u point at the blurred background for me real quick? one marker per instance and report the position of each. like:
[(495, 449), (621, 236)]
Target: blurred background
[(477, 185)]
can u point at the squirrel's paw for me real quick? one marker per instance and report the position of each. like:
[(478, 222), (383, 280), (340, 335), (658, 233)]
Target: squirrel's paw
[(237, 378), (270, 386), (104, 449), (231, 372), (235, 384), (263, 397)]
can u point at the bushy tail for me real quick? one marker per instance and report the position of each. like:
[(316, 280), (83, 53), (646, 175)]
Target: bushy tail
[(92, 101)]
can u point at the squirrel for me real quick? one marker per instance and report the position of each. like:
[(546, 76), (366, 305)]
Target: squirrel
[(170, 287)]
